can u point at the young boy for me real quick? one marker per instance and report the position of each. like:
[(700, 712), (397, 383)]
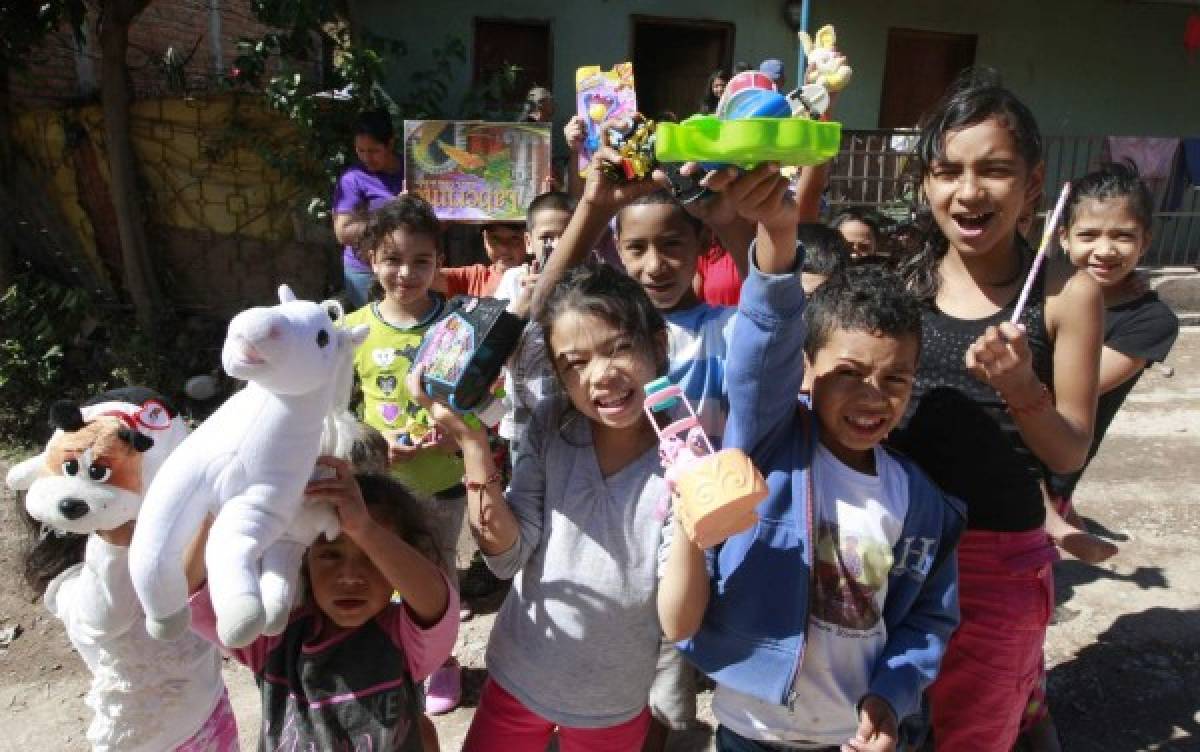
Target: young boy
[(504, 244), (400, 242), (822, 624)]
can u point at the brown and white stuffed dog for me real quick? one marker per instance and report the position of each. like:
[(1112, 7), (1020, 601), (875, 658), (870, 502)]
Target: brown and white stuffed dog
[(102, 456), (146, 695)]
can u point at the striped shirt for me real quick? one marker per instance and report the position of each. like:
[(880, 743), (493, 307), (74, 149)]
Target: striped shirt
[(698, 342)]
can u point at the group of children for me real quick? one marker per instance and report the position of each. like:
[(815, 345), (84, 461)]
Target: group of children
[(912, 437)]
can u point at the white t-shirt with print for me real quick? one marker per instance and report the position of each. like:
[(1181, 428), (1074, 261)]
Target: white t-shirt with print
[(859, 519)]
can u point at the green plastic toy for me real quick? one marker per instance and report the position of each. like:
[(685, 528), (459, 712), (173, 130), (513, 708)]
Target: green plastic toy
[(748, 141)]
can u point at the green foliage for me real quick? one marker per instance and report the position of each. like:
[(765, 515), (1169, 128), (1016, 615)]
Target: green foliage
[(24, 23), (57, 343), (319, 76)]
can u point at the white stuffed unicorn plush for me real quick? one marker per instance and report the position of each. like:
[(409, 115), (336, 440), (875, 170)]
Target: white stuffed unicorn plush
[(247, 465), (339, 433)]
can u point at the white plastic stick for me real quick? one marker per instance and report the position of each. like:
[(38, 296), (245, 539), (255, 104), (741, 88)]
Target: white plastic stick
[(1047, 239)]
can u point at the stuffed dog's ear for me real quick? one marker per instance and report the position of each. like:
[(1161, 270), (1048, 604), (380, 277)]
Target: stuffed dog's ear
[(65, 415), (139, 441), (22, 474)]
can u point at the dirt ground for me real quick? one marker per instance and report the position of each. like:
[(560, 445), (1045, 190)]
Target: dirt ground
[(1124, 656)]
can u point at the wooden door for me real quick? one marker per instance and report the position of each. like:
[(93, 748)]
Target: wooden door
[(526, 44), (920, 65), (672, 59)]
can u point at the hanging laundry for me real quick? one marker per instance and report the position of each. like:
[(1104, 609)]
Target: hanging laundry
[(1156, 160)]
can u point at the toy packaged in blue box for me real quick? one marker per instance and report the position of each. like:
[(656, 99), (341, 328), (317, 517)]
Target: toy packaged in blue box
[(464, 351)]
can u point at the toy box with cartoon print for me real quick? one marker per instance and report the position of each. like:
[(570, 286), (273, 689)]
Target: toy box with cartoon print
[(464, 351)]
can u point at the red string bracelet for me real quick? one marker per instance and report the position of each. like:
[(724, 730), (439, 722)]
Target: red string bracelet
[(1043, 400), (471, 485)]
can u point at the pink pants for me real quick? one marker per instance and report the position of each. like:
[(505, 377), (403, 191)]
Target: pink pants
[(503, 724), (218, 734), (993, 662)]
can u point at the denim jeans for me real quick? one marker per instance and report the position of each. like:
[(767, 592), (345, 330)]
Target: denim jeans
[(728, 741), (356, 286)]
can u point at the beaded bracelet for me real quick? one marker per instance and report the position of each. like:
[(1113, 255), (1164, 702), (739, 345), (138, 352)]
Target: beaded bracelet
[(1043, 400), (471, 485)]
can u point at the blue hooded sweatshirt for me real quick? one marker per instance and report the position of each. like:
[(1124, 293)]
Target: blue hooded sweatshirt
[(753, 634)]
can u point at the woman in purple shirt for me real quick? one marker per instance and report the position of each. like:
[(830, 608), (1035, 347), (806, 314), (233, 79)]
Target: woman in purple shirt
[(378, 177)]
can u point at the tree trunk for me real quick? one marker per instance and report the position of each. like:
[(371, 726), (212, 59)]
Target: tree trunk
[(140, 280), (8, 253)]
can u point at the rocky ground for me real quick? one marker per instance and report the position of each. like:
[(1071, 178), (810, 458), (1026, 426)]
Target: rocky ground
[(1124, 656)]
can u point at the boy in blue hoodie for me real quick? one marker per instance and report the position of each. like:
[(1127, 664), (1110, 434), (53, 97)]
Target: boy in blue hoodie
[(822, 624)]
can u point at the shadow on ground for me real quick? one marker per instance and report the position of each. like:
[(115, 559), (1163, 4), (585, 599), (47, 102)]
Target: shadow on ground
[(1145, 671)]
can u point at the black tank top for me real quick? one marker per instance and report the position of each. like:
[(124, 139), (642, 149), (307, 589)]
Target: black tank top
[(958, 430)]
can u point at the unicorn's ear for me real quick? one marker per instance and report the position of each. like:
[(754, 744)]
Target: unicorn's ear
[(806, 42), (358, 334), (286, 295)]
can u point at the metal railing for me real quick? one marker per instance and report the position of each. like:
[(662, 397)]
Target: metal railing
[(875, 169)]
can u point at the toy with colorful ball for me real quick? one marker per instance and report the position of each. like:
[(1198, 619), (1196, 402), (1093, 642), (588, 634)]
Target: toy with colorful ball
[(714, 493)]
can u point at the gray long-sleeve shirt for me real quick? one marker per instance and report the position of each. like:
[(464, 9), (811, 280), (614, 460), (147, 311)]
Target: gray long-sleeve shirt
[(577, 638)]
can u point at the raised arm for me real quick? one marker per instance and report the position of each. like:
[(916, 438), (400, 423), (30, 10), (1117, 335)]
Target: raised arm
[(602, 198), (765, 364), (417, 579)]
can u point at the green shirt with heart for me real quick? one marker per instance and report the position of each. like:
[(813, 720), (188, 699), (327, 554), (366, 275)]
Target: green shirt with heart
[(381, 364)]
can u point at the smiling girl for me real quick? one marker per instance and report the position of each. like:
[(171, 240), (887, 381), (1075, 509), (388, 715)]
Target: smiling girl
[(575, 643), (995, 405)]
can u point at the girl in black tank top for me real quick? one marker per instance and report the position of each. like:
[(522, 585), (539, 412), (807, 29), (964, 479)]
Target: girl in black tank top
[(954, 419), (993, 405)]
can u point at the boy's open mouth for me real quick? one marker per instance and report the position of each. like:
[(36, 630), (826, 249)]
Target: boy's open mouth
[(972, 224), (349, 604), (866, 426)]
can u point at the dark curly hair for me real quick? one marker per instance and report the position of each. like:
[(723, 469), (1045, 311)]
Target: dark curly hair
[(1112, 180), (973, 98), (864, 298), (825, 251), (408, 212)]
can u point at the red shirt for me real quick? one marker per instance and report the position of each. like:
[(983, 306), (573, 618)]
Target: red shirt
[(477, 280), (720, 283)]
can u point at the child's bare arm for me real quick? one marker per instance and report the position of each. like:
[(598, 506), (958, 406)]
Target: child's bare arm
[(193, 558), (809, 186), (414, 577), (602, 198), (683, 589), (1116, 368), (1055, 420), (493, 524)]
